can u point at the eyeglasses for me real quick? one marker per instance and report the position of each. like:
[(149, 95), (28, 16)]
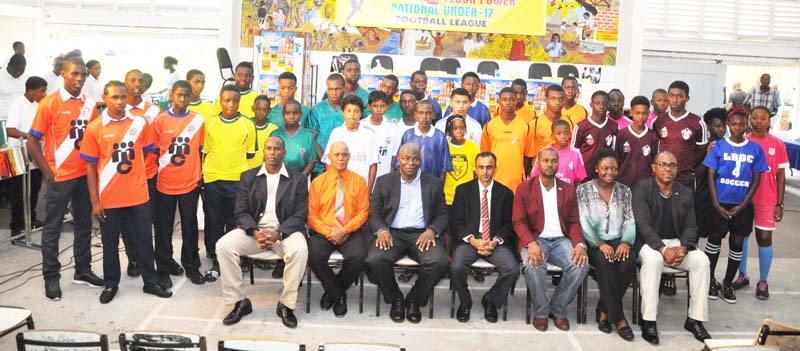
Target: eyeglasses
[(666, 165)]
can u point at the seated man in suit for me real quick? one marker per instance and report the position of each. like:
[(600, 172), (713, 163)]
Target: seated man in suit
[(271, 211), (666, 233), (480, 220), (545, 217), (402, 227), (335, 220)]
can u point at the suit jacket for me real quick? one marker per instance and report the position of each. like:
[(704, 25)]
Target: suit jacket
[(291, 203), (385, 200), (465, 213), (647, 214), (528, 213)]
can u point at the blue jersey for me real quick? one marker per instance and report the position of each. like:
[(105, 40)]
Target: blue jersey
[(735, 165), (435, 150), (480, 112)]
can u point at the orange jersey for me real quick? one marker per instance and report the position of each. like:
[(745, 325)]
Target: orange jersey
[(576, 113), (117, 146), (510, 143), (149, 112), (61, 121), (527, 113), (179, 139)]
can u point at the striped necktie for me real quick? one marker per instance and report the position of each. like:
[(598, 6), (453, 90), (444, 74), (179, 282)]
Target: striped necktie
[(340, 200), (485, 231)]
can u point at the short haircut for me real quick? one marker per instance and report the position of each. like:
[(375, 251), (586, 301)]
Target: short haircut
[(292, 102), (460, 91), (448, 126), (717, 112), (486, 154), (393, 78), (288, 75), (182, 84), (599, 93), (353, 100), (169, 60), (17, 60), (73, 53), (615, 90), (91, 63), (16, 44), (335, 77), (427, 103), (658, 91), (520, 82), (418, 73), (640, 100), (113, 83), (470, 74), (553, 88), (559, 123), (194, 72), (407, 92), (506, 90), (351, 61), (761, 108), (569, 78), (245, 64), (263, 98), (376, 96), (34, 83), (132, 72), (606, 153), (679, 84), (229, 88)]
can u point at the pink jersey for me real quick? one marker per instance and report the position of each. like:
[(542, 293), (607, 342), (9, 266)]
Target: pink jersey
[(649, 122), (570, 165), (775, 151), (623, 122)]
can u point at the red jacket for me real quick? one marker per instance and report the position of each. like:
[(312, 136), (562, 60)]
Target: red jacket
[(528, 214)]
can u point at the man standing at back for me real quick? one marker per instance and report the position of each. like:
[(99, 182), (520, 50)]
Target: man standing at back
[(419, 86), (12, 83), (763, 95), (477, 109), (287, 87), (244, 82)]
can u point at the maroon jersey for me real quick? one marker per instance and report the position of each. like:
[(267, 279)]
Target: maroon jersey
[(680, 136), (588, 137), (636, 153)]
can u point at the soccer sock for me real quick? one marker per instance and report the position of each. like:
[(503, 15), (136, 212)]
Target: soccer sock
[(764, 261), (743, 263), (734, 258), (712, 251)]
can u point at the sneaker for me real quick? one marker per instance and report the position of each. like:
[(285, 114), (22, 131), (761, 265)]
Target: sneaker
[(668, 284), (52, 289), (728, 293), (212, 274), (713, 290), (741, 282), (762, 290), (89, 279)]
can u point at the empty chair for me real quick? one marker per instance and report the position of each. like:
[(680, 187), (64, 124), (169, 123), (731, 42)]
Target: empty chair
[(383, 61), (539, 71), (225, 65), (430, 64), (267, 255), (488, 68), (258, 345), (450, 65), (13, 318), (55, 340), (342, 346), (567, 71), (161, 340)]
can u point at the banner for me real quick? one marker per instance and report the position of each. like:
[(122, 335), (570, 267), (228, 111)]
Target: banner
[(524, 17)]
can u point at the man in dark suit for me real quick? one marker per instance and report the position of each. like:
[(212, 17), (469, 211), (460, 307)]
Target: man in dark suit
[(402, 227), (271, 211), (480, 221), (545, 218)]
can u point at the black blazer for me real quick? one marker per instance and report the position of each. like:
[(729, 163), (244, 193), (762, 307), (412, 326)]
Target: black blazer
[(385, 200), (465, 214), (647, 214), (291, 204)]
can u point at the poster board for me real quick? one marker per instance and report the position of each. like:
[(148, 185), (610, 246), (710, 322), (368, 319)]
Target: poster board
[(273, 54)]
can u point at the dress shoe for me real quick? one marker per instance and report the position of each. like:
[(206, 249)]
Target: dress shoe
[(240, 309), (560, 323), (489, 309), (195, 277), (540, 323), (479, 276), (287, 316), (626, 333), (412, 311), (668, 284), (175, 268), (650, 332), (108, 294), (277, 273), (88, 278), (52, 289), (157, 290), (213, 273), (406, 276), (462, 314), (133, 269), (164, 281), (340, 308), (602, 324), (398, 311), (697, 329), (325, 302)]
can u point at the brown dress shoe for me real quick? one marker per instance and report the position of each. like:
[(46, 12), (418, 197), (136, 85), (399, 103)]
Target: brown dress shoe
[(540, 323), (560, 323)]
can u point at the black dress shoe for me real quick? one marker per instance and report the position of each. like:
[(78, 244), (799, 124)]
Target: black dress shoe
[(462, 314), (602, 324), (277, 273), (108, 294), (133, 269), (340, 308), (479, 276), (489, 309), (325, 302), (626, 333), (195, 277), (164, 281), (398, 311), (175, 268), (157, 290), (241, 309), (650, 332), (697, 329), (412, 311), (287, 316), (406, 276)]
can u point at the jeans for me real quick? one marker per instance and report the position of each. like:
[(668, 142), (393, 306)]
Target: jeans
[(220, 197), (59, 196), (141, 235), (187, 206), (556, 252)]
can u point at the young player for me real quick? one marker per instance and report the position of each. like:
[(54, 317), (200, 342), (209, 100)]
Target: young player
[(360, 141), (287, 87), (570, 162), (264, 128), (389, 86), (477, 109), (459, 105), (660, 104), (616, 109), (462, 154), (197, 80), (385, 130), (572, 109), (636, 145), (301, 146), (595, 132), (509, 137), (327, 115), (243, 75), (541, 126), (431, 141)]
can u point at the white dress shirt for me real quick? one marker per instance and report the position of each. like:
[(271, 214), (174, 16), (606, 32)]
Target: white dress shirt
[(270, 218), (552, 226)]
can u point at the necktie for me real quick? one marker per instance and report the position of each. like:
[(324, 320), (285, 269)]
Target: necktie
[(485, 231), (340, 201)]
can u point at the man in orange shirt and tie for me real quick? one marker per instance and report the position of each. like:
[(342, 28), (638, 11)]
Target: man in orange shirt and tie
[(336, 223)]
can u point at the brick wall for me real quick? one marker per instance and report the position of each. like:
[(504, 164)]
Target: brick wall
[(607, 20)]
